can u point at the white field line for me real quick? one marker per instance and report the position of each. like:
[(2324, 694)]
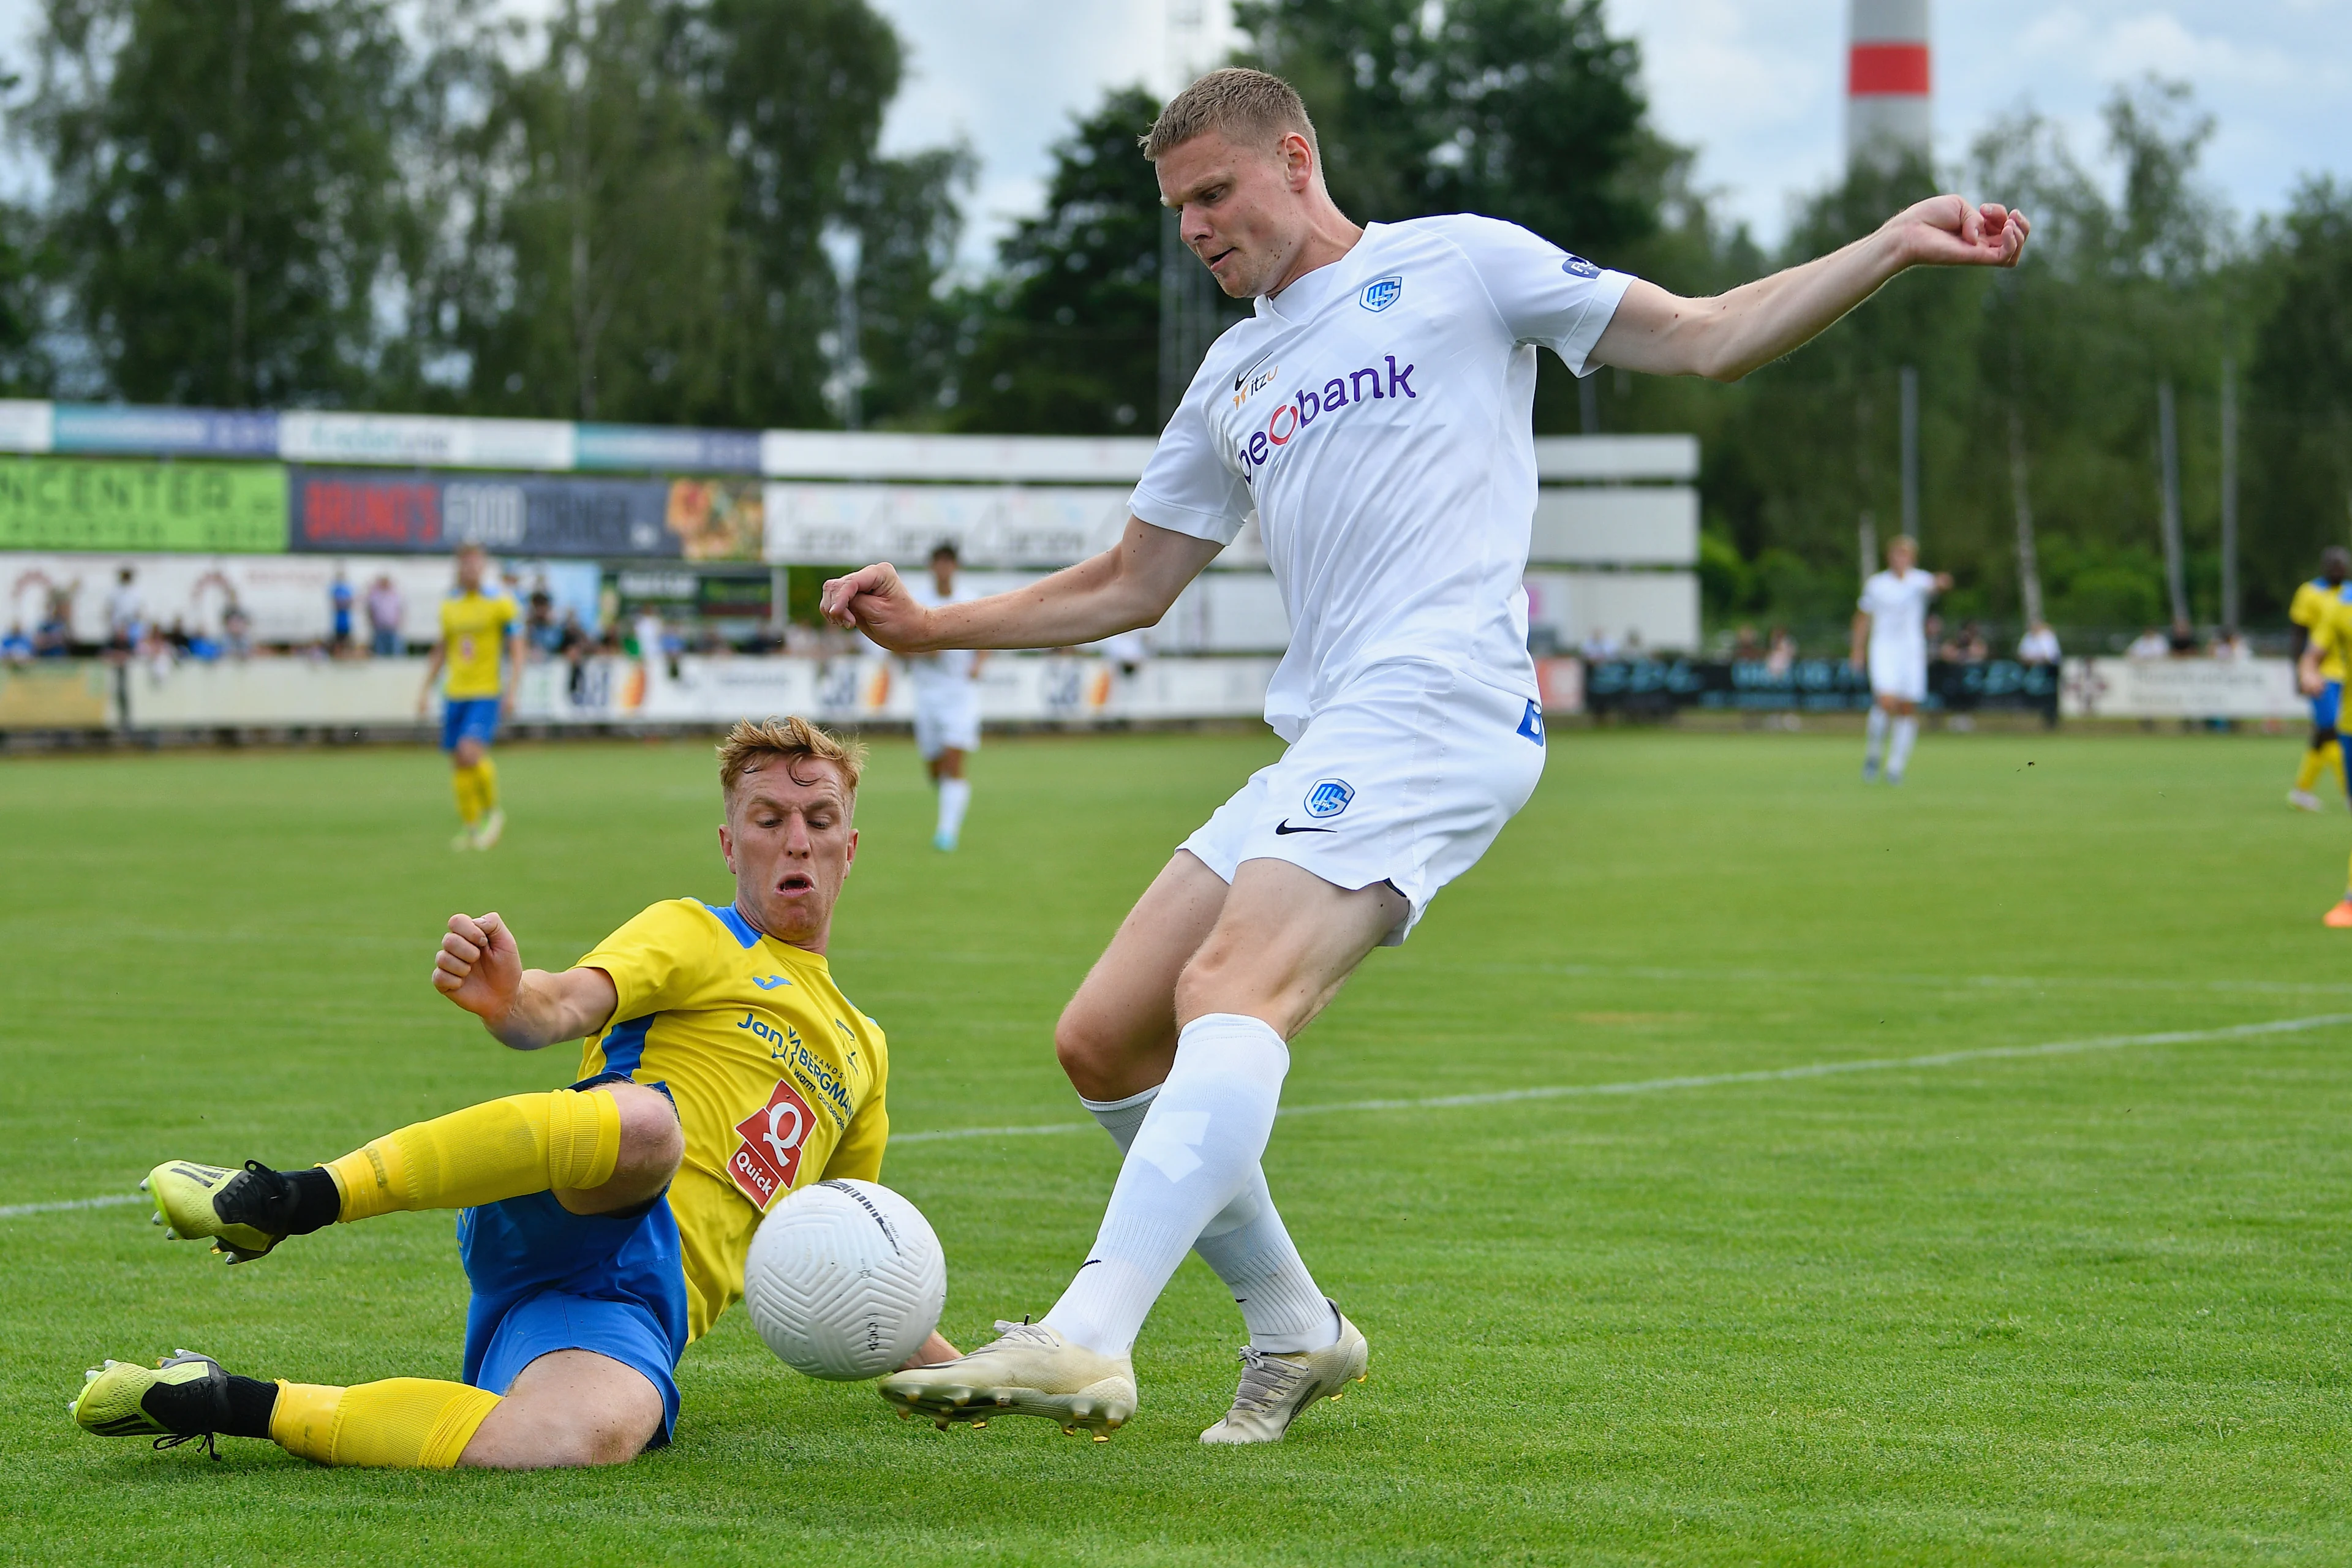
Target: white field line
[(1717, 1079), (1568, 1090), (11, 1211)]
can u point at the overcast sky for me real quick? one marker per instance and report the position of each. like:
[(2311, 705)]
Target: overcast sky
[(1756, 85)]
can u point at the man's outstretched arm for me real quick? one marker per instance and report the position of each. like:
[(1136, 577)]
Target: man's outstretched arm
[(1727, 337), (480, 969), (1126, 587)]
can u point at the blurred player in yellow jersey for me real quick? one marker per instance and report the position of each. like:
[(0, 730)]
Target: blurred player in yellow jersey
[(2312, 604), (603, 1225), (478, 651), (2331, 640)]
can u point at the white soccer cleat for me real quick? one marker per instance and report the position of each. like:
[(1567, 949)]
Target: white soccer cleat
[(2303, 800), (1276, 1388), (1032, 1371), (492, 826)]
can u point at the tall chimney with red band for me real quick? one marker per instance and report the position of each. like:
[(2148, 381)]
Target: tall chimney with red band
[(1886, 83)]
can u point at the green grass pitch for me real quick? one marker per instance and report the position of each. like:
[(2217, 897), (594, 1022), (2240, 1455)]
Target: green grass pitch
[(2084, 1306)]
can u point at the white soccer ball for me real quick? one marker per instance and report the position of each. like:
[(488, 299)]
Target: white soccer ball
[(844, 1280)]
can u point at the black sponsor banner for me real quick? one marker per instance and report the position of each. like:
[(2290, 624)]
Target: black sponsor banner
[(371, 511), (1656, 687)]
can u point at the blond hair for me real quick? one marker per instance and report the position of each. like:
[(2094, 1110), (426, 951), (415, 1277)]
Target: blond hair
[(752, 743), (1237, 102)]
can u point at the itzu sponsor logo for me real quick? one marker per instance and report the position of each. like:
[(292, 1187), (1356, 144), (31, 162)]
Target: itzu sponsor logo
[(1289, 420), (1328, 798), (1380, 293)]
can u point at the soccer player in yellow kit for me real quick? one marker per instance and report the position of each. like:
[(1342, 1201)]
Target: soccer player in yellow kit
[(477, 650), (603, 1226), (2330, 647), (2312, 604)]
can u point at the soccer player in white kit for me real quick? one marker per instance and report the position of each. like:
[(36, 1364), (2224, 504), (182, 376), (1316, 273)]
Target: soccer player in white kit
[(1891, 619), (1374, 413), (947, 701)]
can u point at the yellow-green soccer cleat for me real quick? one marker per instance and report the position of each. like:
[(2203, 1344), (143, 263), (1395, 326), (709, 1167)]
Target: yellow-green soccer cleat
[(230, 1208), (1032, 1371), (179, 1398), (1278, 1388)]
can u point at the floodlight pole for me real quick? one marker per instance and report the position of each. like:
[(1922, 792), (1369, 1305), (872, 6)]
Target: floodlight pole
[(2229, 496), (2167, 439), (1910, 380)]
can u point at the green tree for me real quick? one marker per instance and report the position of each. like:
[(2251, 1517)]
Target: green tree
[(227, 191), (1067, 337), (2299, 428)]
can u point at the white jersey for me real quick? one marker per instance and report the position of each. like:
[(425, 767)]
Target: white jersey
[(945, 672), (1897, 608), (1376, 417)]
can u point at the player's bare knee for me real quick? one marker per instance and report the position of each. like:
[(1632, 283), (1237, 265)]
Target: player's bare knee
[(1091, 1052), (652, 1143)]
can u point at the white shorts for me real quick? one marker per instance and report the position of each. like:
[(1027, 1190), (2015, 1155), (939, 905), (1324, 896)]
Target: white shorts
[(947, 718), (1405, 779), (1902, 676)]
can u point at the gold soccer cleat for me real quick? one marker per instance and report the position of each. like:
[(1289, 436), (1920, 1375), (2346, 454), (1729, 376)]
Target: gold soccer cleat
[(1031, 1371), (1276, 1388)]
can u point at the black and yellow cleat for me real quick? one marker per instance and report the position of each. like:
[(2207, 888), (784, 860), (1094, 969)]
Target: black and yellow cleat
[(244, 1213), (182, 1398)]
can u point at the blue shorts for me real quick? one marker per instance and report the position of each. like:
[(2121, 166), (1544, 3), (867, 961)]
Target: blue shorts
[(469, 719), (547, 1279), (2326, 706)]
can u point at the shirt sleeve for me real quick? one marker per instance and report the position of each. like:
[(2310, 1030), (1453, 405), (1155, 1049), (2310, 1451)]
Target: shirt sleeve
[(858, 1155), (1187, 487), (657, 960), (1544, 294)]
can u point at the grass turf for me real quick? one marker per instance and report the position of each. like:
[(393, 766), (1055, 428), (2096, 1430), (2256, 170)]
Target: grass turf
[(2087, 1306)]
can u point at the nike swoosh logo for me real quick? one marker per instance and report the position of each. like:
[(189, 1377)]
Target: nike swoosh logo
[(1282, 830)]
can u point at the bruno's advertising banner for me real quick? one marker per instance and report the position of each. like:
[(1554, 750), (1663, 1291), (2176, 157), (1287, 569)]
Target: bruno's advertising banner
[(370, 511)]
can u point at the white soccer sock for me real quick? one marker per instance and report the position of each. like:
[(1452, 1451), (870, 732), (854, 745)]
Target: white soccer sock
[(1898, 756), (1249, 1247), (955, 795), (1194, 1153), (1878, 731)]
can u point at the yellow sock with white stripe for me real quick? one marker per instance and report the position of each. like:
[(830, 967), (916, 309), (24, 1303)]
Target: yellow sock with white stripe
[(561, 1140), (402, 1423)]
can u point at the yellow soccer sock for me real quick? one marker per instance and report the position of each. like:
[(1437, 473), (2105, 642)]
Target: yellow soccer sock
[(486, 784), (561, 1140), (402, 1423), (2331, 757), (469, 790)]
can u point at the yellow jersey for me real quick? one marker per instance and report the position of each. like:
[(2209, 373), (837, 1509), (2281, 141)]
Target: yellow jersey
[(474, 628), (777, 1077), (2311, 607)]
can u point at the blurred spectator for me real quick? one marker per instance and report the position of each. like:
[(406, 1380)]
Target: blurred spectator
[(156, 651), (384, 614), (2150, 643), (1780, 656), (123, 617), (237, 631), (2037, 645), (2229, 647), (53, 638), (340, 599), (1968, 646), (16, 648), (1631, 646), (542, 635), (2182, 643), (1744, 648), (1598, 648)]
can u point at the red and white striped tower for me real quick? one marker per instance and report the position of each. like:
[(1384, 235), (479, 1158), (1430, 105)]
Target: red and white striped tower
[(1886, 83)]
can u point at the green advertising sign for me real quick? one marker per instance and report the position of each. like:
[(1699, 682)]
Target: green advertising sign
[(83, 503)]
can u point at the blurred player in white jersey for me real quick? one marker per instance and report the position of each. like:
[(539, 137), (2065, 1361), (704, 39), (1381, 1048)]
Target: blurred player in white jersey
[(947, 701), (1375, 414), (1890, 638)]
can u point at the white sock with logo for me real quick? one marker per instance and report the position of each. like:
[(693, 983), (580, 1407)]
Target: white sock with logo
[(1875, 727), (1194, 1155), (955, 795), (1899, 755), (1249, 1247)]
